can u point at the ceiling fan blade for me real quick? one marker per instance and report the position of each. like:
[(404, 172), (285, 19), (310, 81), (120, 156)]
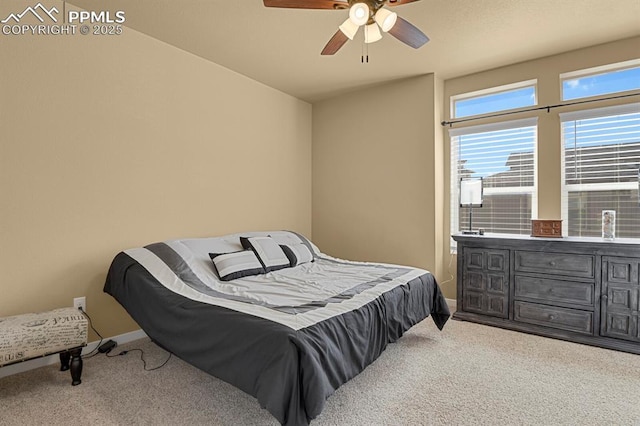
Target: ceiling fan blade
[(337, 41), (408, 34), (308, 4), (399, 2)]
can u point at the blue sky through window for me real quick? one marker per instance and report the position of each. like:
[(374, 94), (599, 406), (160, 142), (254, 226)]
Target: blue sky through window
[(601, 84), (495, 102)]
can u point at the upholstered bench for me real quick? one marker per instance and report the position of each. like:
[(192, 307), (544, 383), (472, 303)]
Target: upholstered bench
[(28, 336)]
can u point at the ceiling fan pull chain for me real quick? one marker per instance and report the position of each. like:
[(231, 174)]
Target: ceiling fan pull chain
[(364, 58)]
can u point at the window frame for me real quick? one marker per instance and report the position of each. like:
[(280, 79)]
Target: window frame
[(494, 91), (588, 187), (454, 213)]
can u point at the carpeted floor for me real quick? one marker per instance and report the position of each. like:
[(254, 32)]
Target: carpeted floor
[(468, 374)]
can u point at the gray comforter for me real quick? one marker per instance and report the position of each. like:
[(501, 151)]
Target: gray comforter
[(290, 370)]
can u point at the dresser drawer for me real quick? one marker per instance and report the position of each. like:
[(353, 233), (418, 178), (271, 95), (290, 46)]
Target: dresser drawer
[(553, 316), (553, 290), (574, 265)]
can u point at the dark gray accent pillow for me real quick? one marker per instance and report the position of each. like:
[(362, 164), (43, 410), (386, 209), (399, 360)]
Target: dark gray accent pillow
[(297, 253), (230, 266)]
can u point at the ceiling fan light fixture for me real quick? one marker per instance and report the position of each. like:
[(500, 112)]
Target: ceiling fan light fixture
[(372, 33), (359, 13), (349, 29), (386, 19)]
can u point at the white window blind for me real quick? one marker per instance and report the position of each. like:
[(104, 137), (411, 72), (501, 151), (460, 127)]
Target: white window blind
[(600, 170), (504, 155)]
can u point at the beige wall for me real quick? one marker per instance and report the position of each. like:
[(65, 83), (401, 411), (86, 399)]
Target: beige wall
[(377, 174), (113, 142)]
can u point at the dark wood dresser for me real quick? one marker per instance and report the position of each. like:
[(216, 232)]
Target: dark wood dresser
[(584, 290)]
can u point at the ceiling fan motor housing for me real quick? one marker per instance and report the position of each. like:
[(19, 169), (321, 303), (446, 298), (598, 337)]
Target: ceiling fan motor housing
[(374, 6)]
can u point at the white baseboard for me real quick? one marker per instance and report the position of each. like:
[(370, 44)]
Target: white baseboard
[(21, 367)]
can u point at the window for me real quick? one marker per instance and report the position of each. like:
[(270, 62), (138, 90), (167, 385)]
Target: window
[(512, 96), (503, 154), (605, 80), (600, 170)]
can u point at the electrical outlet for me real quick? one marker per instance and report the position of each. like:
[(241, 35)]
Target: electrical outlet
[(80, 302)]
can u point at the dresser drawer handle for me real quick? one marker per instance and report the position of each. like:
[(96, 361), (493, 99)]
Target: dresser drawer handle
[(552, 317), (552, 263)]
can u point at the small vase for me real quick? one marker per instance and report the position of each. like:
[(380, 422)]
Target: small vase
[(609, 224)]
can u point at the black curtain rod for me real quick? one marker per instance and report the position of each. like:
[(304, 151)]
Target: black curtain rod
[(548, 108)]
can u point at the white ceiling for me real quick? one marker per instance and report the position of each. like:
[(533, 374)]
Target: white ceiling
[(281, 47)]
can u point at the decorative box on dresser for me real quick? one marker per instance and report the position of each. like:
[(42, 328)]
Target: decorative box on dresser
[(584, 290)]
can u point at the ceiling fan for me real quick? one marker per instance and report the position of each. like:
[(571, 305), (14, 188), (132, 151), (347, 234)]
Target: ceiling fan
[(368, 13)]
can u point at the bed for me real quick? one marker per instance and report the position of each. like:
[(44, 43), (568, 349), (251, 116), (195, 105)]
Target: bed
[(287, 335)]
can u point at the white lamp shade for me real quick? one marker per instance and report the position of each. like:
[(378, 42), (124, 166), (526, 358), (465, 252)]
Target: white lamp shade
[(349, 29), (386, 19), (471, 192), (359, 13), (372, 33)]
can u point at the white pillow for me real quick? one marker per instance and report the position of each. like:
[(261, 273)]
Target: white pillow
[(268, 251)]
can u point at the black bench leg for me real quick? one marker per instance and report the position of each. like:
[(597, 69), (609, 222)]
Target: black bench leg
[(65, 357), (76, 366)]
